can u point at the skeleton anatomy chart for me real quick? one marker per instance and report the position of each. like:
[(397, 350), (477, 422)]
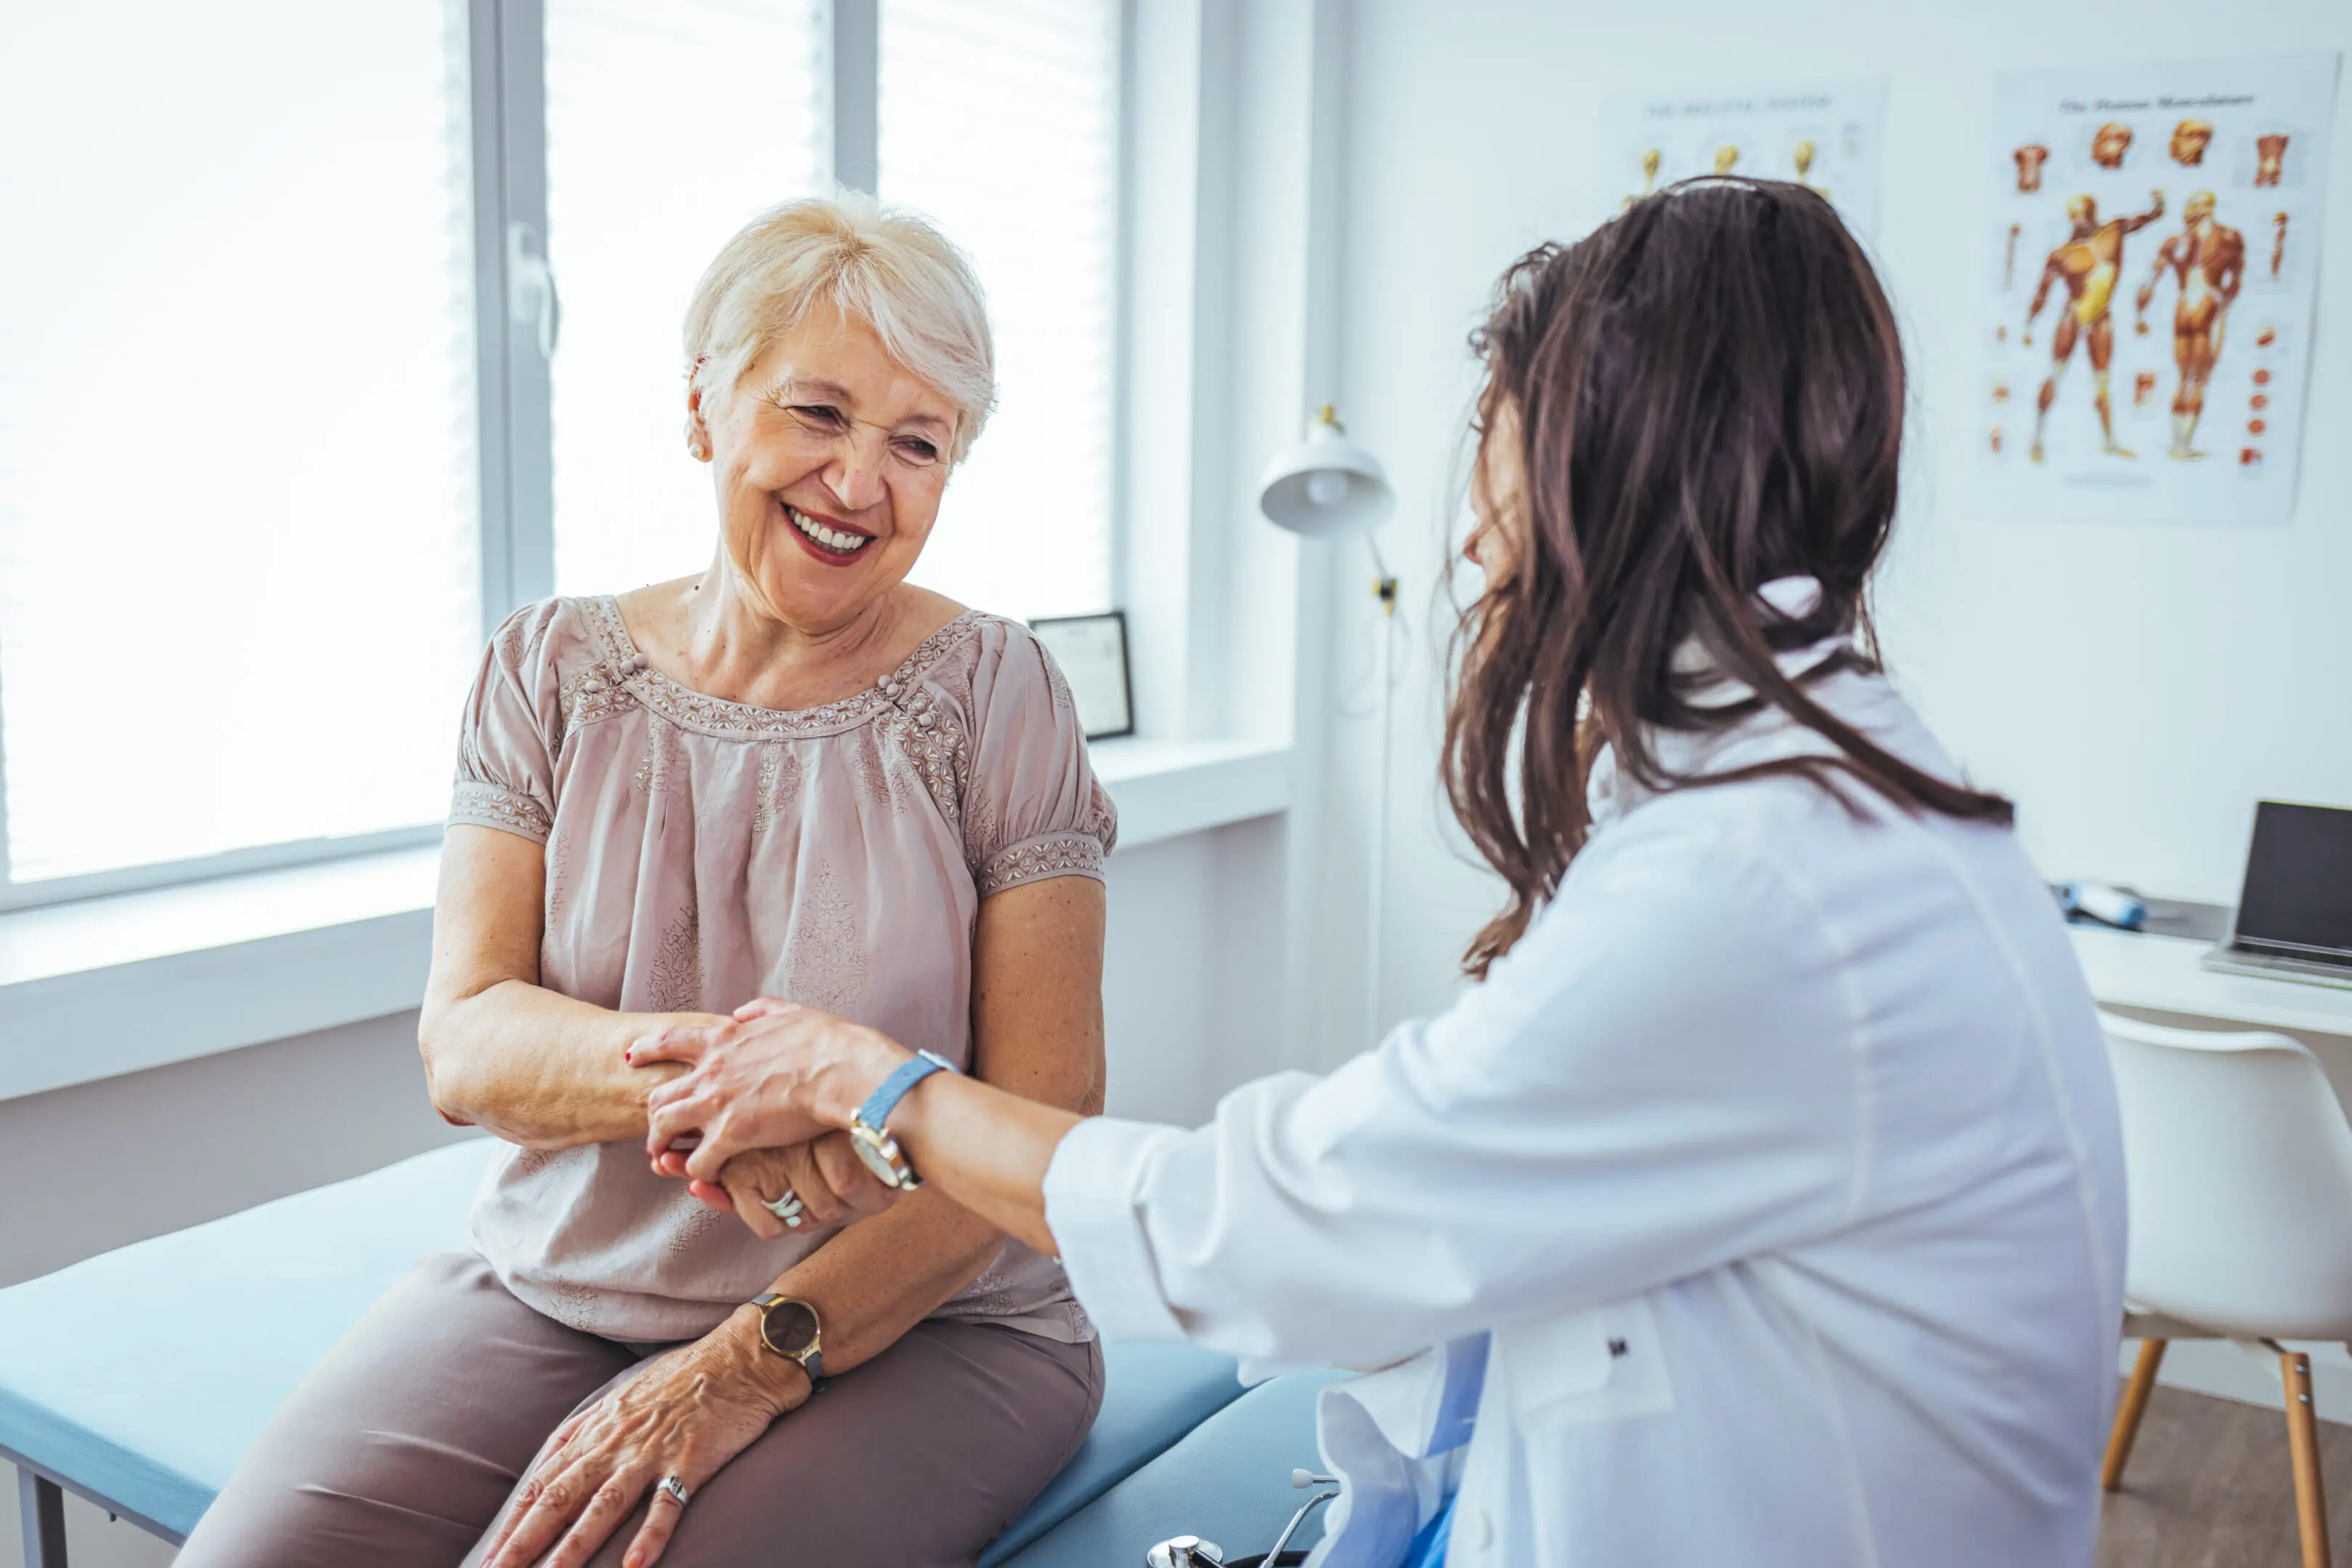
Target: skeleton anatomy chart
[(2147, 265), (1823, 136)]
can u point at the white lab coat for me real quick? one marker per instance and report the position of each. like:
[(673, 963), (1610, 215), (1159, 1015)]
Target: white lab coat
[(1764, 1207)]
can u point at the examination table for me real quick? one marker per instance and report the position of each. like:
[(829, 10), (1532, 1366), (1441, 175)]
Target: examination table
[(136, 1379)]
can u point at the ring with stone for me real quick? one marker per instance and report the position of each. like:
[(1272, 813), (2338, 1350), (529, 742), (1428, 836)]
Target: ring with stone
[(788, 1208), (674, 1487)]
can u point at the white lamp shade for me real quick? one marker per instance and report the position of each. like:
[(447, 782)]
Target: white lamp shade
[(1325, 486)]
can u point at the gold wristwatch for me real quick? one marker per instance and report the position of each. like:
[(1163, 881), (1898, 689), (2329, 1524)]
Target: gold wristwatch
[(790, 1327)]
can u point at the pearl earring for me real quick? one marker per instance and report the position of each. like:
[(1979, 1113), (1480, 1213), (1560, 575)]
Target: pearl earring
[(699, 452)]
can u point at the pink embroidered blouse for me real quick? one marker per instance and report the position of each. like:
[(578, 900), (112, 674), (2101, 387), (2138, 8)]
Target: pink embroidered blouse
[(701, 852)]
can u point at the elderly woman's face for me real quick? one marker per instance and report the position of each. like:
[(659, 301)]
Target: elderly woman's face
[(829, 460)]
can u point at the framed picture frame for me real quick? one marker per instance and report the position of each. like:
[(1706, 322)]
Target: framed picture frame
[(1091, 650)]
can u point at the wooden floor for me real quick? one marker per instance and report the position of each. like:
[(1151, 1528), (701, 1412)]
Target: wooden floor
[(2209, 1486)]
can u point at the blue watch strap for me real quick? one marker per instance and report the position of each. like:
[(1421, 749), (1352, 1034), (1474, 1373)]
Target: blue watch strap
[(886, 1095)]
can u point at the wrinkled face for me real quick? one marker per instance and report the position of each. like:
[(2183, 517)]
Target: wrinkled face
[(1498, 498), (2200, 207), (829, 459)]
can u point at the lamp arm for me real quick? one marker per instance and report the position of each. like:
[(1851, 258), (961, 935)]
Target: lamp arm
[(1385, 588)]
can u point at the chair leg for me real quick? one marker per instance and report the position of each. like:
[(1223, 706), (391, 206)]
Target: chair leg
[(2303, 1439), (2133, 1405), (43, 1507)]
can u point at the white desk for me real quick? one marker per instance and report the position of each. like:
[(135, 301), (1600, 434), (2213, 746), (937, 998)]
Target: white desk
[(2160, 974)]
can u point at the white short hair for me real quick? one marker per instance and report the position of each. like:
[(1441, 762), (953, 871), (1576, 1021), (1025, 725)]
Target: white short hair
[(886, 267)]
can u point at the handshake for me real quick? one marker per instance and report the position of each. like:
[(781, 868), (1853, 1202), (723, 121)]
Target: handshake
[(758, 1124)]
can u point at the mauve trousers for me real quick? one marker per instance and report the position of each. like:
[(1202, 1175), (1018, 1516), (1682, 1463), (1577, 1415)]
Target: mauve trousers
[(406, 1441)]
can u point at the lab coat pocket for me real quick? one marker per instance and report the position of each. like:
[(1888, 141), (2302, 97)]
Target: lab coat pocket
[(1606, 1363)]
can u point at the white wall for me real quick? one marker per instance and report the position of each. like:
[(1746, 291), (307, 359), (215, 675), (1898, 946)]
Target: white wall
[(1190, 993), (2215, 666)]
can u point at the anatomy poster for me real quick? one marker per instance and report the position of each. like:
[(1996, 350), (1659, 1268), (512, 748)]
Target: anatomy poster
[(2148, 261), (1823, 136)]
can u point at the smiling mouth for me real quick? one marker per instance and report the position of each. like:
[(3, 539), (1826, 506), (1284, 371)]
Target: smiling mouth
[(827, 541)]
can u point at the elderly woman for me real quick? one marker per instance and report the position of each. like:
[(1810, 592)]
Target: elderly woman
[(797, 775)]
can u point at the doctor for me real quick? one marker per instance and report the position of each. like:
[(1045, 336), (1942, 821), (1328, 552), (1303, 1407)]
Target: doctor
[(1762, 1202)]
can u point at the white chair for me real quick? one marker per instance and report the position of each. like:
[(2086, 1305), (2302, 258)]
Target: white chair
[(2238, 1164)]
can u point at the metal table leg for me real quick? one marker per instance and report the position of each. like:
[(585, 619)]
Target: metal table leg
[(43, 1507)]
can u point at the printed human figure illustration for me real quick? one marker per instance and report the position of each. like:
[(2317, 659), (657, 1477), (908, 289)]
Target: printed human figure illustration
[(2109, 144), (2030, 159), (2270, 159), (1803, 157), (2088, 264), (1649, 161), (2278, 243), (1725, 157), (2190, 140), (2207, 260)]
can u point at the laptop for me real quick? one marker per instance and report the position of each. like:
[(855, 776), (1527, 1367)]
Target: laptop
[(2294, 915)]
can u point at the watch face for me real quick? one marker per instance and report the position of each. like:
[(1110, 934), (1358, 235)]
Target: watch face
[(870, 1149), (790, 1327)]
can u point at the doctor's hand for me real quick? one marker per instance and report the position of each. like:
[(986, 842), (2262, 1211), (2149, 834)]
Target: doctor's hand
[(833, 1184), (778, 1074)]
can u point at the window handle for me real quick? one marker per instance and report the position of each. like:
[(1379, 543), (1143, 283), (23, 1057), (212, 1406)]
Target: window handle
[(531, 287)]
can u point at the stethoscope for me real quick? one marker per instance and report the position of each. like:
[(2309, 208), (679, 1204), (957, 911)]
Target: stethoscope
[(1191, 1552)]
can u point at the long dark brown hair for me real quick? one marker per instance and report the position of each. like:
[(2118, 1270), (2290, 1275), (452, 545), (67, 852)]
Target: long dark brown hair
[(1707, 393)]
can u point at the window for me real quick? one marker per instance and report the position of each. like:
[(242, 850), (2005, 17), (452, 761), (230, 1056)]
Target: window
[(363, 327), (239, 577), (667, 127), (1002, 123)]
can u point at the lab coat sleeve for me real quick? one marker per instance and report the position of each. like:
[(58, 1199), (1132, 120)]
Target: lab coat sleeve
[(1090, 1198), (1669, 1073)]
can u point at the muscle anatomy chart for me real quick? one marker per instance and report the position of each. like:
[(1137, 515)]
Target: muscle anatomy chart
[(1824, 136), (2144, 312)]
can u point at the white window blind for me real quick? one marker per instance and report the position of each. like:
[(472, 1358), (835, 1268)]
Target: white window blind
[(238, 536), (243, 417), (668, 126), (1000, 119)]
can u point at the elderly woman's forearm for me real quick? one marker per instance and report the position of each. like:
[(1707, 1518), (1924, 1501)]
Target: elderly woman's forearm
[(882, 1276), (536, 1068)]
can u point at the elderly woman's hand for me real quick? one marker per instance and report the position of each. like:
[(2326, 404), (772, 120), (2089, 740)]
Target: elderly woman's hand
[(776, 1075), (833, 1184), (685, 1414)]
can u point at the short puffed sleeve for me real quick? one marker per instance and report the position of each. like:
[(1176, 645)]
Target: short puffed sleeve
[(513, 727), (1032, 808)]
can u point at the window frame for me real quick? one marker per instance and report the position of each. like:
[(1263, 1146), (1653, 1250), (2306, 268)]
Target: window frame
[(518, 318)]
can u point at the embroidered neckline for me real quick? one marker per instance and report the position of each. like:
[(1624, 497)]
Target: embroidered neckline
[(626, 667)]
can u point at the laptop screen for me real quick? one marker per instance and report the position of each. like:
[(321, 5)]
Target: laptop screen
[(2298, 893)]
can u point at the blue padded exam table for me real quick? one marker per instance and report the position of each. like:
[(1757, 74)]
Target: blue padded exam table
[(137, 1379)]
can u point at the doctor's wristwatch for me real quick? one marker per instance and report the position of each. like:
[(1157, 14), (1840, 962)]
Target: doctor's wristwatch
[(869, 1132), (791, 1328)]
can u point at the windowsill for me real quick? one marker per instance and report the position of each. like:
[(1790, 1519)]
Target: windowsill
[(108, 985)]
